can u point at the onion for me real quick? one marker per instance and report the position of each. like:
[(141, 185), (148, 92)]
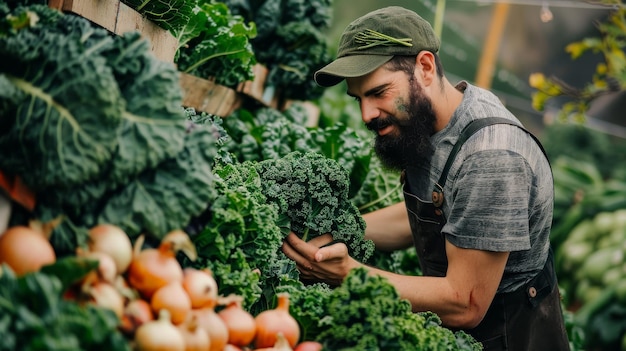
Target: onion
[(281, 344), (173, 298), (239, 322), (107, 270), (113, 241), (106, 296), (159, 335), (136, 313), (25, 250), (152, 268), (201, 287), (196, 339), (308, 346), (208, 320), (272, 322)]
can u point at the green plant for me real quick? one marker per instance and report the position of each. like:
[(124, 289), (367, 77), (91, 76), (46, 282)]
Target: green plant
[(215, 44), (610, 75), (93, 124)]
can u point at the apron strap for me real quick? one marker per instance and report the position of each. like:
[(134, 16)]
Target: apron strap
[(466, 133)]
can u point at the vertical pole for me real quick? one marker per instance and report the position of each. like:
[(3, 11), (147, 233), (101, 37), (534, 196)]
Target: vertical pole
[(487, 63), (439, 12)]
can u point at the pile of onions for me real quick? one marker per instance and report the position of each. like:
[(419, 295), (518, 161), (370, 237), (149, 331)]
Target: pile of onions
[(139, 284)]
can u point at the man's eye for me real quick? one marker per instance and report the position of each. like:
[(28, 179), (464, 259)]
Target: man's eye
[(378, 93)]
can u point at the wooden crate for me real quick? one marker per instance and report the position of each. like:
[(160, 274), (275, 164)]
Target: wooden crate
[(206, 96), (119, 18)]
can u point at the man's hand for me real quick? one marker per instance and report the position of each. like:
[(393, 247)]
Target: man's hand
[(319, 262)]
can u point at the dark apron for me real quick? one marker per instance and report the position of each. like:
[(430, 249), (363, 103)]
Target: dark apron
[(527, 319)]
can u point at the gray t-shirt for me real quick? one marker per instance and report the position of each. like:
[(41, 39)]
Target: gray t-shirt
[(499, 191)]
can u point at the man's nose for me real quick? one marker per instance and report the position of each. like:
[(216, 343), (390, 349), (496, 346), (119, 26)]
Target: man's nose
[(369, 112)]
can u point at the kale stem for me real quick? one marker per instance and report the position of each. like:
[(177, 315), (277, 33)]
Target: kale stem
[(386, 195), (195, 65), (305, 235)]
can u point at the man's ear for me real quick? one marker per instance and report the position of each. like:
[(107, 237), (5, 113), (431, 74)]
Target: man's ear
[(426, 61)]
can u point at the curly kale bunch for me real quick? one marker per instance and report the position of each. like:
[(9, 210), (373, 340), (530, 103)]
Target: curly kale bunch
[(312, 191), (366, 313)]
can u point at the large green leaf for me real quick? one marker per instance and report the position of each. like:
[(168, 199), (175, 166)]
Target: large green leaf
[(63, 106)]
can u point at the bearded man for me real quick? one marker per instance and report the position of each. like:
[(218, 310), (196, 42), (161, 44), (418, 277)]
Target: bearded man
[(478, 190)]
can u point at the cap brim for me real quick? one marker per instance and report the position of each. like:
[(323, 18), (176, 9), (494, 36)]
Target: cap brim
[(349, 67)]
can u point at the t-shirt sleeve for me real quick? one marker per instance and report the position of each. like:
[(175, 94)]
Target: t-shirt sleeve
[(489, 204)]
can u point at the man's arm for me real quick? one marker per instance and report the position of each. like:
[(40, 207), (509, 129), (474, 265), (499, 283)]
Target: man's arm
[(389, 228), (461, 298)]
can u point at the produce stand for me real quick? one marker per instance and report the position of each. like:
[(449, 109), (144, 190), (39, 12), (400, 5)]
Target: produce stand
[(115, 150)]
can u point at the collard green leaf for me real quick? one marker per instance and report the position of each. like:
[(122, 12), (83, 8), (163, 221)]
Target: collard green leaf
[(215, 45), (167, 197), (64, 127), (168, 14)]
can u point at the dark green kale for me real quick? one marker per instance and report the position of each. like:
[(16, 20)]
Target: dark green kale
[(93, 124), (311, 190), (366, 313), (168, 14), (215, 44), (290, 42), (241, 235)]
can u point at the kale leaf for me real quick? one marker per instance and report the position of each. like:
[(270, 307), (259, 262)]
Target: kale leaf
[(366, 313), (36, 316), (290, 42), (168, 14), (312, 191), (216, 44)]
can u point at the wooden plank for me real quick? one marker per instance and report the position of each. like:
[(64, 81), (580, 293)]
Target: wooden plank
[(163, 43), (119, 18), (100, 12), (206, 96), (255, 88)]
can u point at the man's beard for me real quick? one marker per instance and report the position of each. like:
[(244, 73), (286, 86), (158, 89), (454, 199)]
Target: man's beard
[(411, 144)]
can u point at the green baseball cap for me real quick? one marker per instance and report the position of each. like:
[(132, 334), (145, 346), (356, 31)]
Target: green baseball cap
[(373, 39)]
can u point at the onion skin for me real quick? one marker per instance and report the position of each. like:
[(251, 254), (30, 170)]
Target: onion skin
[(113, 241), (240, 323), (272, 322), (106, 296), (208, 320), (159, 335), (136, 313), (25, 250), (201, 287), (151, 269), (196, 339), (308, 346), (173, 298)]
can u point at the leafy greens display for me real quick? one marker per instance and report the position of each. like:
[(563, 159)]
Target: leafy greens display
[(290, 42), (94, 125)]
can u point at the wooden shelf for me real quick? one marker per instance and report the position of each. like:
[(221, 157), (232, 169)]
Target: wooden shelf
[(119, 18), (206, 96)]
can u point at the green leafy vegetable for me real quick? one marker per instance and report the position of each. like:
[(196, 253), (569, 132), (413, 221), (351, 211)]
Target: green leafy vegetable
[(366, 313), (35, 316), (216, 44), (168, 14), (312, 191), (94, 125), (290, 42)]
